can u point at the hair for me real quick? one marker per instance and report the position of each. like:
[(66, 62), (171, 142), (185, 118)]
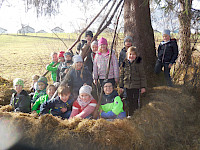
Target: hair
[(35, 77), (53, 53), (132, 49), (74, 66), (51, 85), (63, 90)]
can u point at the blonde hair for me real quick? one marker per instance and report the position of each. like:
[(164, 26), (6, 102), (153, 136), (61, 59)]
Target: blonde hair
[(63, 90), (51, 85), (132, 49), (74, 66)]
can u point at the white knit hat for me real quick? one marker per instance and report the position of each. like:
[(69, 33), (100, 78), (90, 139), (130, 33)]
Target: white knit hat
[(86, 89), (77, 58)]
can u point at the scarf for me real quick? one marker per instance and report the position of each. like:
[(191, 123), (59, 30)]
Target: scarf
[(82, 103)]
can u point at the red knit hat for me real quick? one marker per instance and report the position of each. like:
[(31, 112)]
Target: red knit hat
[(61, 54), (102, 41)]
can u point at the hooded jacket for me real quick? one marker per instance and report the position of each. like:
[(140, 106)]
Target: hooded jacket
[(21, 102), (132, 75)]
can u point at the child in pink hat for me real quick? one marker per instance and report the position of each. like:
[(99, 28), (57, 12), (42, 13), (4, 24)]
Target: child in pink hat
[(101, 62)]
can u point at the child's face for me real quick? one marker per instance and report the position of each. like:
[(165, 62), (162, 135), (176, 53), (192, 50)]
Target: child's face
[(55, 58), (78, 65), (108, 88), (103, 48), (85, 97), (68, 57), (166, 37), (94, 48), (51, 91), (128, 43), (61, 59), (41, 86), (18, 88), (64, 97), (131, 56), (88, 38)]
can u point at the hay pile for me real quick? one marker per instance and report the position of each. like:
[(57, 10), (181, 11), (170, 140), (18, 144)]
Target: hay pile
[(5, 91), (156, 126)]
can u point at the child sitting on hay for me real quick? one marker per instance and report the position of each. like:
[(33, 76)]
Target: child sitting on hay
[(50, 92), (111, 104), (20, 100), (85, 104), (61, 105), (77, 76), (41, 88)]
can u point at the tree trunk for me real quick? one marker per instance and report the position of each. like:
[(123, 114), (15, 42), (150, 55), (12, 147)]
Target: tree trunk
[(184, 31), (137, 23)]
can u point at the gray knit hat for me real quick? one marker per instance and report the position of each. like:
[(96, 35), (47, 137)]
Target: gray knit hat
[(86, 89), (94, 43), (43, 79), (128, 37), (18, 81), (166, 31), (77, 58)]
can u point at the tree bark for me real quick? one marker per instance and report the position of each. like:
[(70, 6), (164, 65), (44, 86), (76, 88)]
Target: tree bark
[(184, 31), (137, 23)]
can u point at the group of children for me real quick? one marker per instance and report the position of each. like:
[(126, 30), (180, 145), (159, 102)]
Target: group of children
[(77, 80)]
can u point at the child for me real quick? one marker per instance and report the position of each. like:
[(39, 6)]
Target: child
[(101, 62), (64, 67), (53, 68), (41, 85), (132, 77), (50, 92), (128, 42), (94, 47), (20, 100), (85, 46), (85, 104), (61, 58), (78, 76), (111, 104), (167, 55), (34, 81), (61, 105)]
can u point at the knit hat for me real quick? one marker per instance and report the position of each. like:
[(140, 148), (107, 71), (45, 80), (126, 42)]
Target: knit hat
[(68, 53), (18, 81), (86, 89), (102, 41), (77, 58), (94, 43), (43, 79), (88, 33), (107, 81), (166, 31), (61, 54), (128, 37)]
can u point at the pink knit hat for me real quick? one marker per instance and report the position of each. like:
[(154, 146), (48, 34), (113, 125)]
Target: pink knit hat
[(102, 41)]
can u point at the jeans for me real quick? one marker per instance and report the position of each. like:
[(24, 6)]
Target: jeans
[(158, 68)]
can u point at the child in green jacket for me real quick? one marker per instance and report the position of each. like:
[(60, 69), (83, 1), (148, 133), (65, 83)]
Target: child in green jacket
[(111, 104), (50, 92)]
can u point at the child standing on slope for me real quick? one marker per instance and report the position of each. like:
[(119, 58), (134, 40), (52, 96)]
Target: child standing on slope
[(20, 100), (101, 62), (132, 77), (85, 104)]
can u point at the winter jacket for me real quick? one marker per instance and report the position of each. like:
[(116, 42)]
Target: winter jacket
[(88, 59), (53, 70), (100, 66), (168, 51), (111, 105), (83, 112), (122, 56), (21, 102), (74, 80), (61, 70), (132, 75), (56, 105), (38, 102), (37, 94)]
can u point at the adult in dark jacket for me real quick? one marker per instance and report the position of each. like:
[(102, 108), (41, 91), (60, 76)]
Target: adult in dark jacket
[(167, 55), (77, 76), (84, 46), (61, 105), (20, 100)]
